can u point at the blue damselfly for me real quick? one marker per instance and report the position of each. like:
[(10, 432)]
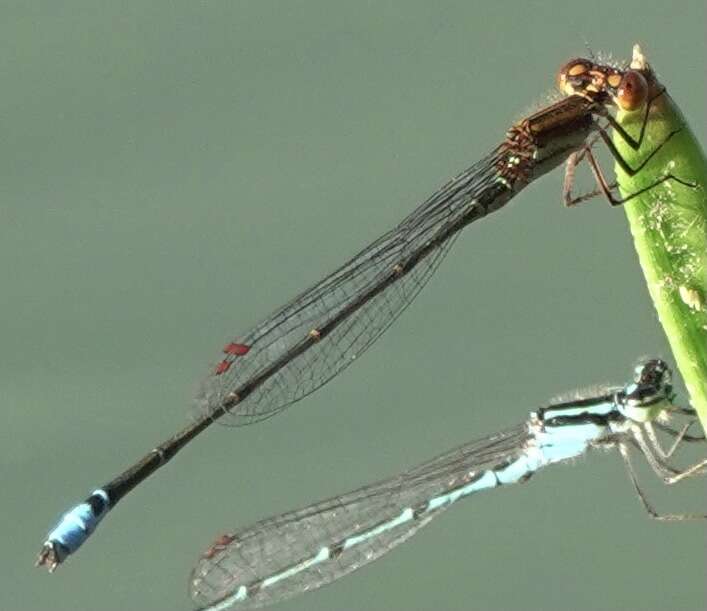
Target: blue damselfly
[(301, 550)]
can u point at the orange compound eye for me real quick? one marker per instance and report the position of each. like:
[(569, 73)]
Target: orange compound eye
[(632, 92)]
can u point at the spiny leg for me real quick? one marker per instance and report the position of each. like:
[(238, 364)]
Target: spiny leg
[(668, 473), (669, 517), (683, 411), (634, 143), (678, 437), (604, 135), (699, 468), (571, 165), (604, 187)]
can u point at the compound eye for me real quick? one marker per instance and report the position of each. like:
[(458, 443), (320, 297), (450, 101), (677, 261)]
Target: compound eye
[(632, 91), (571, 74)]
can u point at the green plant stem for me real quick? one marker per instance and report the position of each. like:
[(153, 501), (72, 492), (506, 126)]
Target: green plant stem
[(669, 228)]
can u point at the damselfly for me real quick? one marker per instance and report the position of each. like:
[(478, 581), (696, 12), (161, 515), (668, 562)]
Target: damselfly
[(305, 549), (313, 337)]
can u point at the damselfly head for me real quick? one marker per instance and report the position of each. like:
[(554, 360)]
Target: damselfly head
[(627, 88), (588, 79), (655, 373), (651, 394)]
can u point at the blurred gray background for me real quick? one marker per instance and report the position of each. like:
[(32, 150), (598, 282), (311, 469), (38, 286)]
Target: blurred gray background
[(172, 171)]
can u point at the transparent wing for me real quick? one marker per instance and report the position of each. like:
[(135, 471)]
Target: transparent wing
[(308, 548), (309, 340)]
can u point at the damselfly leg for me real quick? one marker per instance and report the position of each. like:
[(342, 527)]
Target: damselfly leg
[(604, 187), (679, 437), (629, 91), (647, 505)]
